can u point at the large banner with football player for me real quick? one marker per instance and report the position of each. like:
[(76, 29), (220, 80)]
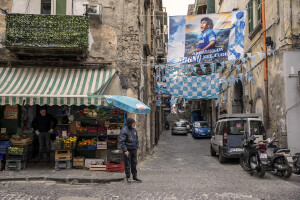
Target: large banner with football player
[(206, 38)]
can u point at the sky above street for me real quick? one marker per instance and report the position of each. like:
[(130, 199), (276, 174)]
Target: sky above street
[(177, 7)]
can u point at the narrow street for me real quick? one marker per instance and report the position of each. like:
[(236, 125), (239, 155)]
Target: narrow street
[(180, 168)]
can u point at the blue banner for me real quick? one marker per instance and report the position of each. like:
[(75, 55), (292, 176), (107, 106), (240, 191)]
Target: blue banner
[(193, 87), (206, 38)]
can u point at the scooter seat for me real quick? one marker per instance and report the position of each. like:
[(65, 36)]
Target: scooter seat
[(275, 150)]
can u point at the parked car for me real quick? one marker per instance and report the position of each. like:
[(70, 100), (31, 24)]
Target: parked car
[(226, 140), (188, 124), (201, 129), (179, 128)]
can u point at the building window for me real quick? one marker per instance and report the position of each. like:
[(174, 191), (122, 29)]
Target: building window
[(254, 15), (56, 7), (46, 7)]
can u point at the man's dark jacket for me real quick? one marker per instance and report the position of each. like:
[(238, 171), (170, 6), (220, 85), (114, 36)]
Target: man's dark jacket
[(43, 124), (129, 139)]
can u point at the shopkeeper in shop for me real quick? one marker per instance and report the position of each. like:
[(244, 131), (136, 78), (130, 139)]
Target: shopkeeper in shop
[(129, 143), (43, 124)]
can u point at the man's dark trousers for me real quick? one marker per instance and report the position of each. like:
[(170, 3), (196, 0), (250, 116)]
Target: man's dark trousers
[(130, 163), (44, 140)]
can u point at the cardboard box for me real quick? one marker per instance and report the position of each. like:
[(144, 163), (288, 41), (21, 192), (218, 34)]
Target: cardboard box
[(101, 121), (73, 127), (102, 145), (89, 161)]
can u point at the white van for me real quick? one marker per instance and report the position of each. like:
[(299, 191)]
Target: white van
[(227, 137)]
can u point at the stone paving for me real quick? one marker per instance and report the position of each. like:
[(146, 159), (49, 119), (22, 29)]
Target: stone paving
[(180, 168)]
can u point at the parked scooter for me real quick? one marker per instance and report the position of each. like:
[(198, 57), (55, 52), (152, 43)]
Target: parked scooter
[(296, 163), (254, 157), (279, 159)]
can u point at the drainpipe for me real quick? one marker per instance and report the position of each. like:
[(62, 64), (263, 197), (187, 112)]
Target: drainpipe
[(265, 61), (196, 7)]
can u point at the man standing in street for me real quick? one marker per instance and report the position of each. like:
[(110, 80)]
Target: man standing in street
[(43, 124), (129, 143)]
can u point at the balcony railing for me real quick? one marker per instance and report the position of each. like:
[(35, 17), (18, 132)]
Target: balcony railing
[(47, 31)]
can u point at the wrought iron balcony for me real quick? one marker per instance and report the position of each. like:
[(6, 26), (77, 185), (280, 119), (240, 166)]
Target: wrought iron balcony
[(29, 34)]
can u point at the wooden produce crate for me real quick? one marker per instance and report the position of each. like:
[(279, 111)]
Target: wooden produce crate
[(97, 167), (63, 155), (102, 145), (78, 162), (20, 143)]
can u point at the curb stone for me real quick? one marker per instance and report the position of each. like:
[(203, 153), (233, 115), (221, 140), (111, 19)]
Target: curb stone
[(63, 180)]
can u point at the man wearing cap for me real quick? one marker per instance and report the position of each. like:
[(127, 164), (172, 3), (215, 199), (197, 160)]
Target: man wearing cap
[(129, 143)]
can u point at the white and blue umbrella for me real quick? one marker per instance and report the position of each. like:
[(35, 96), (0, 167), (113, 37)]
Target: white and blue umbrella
[(127, 103)]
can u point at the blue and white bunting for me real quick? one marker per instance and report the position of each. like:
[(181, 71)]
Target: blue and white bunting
[(261, 55), (212, 66)]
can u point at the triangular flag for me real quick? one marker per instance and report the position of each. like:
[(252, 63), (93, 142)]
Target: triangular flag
[(243, 60), (212, 66), (249, 55), (245, 66), (229, 67), (253, 58), (233, 62), (271, 52), (203, 68), (237, 67), (262, 55)]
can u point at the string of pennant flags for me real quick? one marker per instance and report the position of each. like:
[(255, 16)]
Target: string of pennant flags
[(189, 70)]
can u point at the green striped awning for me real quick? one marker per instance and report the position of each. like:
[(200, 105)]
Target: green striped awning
[(53, 86)]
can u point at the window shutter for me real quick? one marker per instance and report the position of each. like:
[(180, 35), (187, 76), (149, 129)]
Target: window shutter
[(259, 14), (61, 7), (250, 15)]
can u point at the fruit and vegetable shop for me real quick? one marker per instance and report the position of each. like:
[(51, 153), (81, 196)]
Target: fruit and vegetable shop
[(88, 127)]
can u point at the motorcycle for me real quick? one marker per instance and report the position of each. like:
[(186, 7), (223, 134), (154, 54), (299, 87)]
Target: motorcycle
[(296, 163), (254, 157), (279, 159)]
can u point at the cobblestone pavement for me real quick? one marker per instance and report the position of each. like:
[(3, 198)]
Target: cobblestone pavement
[(180, 168)]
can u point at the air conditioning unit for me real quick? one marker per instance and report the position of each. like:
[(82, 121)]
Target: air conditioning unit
[(94, 10)]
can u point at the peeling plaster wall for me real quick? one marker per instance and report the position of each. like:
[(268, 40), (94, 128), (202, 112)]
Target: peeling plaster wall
[(283, 25), (119, 39)]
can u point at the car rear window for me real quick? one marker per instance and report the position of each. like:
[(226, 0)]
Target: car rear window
[(180, 124), (237, 127), (256, 127), (201, 125)]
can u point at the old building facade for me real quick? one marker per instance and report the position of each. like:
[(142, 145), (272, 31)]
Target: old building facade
[(275, 92), (122, 34)]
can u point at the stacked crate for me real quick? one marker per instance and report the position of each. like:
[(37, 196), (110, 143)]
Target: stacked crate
[(112, 167), (63, 159), (3, 150), (16, 158), (78, 162)]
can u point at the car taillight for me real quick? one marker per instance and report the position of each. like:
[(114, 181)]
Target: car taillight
[(225, 135), (262, 147)]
